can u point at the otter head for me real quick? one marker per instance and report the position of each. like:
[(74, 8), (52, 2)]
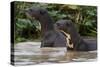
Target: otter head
[(36, 13), (65, 25)]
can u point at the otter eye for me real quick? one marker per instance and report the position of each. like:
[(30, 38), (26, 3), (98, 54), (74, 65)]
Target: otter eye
[(42, 12), (68, 24)]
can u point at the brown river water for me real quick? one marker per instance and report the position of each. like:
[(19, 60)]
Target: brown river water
[(30, 53)]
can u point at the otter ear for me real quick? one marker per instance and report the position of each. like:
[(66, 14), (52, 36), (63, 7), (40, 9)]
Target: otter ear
[(42, 12)]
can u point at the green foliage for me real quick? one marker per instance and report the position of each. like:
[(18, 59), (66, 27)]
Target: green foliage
[(85, 17), (25, 29)]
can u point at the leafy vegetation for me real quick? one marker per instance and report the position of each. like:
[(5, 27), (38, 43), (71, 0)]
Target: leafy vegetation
[(85, 18)]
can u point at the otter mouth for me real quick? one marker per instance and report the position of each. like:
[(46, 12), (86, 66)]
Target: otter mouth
[(28, 14), (63, 30)]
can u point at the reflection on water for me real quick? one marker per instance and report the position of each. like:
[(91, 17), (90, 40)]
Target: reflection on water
[(29, 53)]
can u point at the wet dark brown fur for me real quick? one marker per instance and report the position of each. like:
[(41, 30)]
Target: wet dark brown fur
[(50, 36), (79, 43)]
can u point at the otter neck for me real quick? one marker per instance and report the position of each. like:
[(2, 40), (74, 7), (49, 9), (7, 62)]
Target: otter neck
[(46, 24), (76, 39)]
